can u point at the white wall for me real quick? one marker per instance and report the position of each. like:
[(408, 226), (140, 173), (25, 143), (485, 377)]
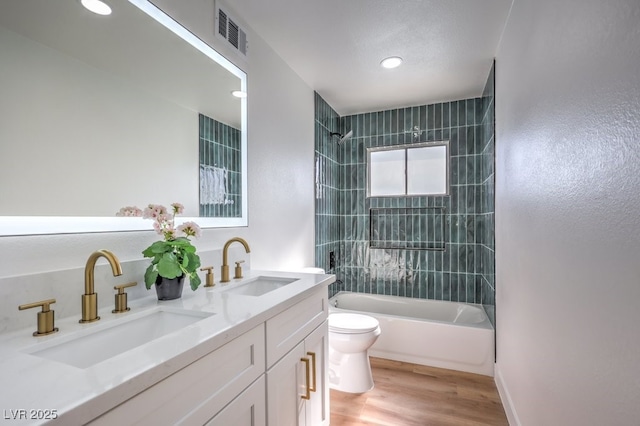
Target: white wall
[(281, 203), (281, 164), (567, 221), (52, 89)]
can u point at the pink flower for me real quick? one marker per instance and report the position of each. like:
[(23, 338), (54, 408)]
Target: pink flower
[(158, 227), (148, 213), (153, 211), (177, 208), (163, 220), (190, 229), (169, 234), (129, 211)]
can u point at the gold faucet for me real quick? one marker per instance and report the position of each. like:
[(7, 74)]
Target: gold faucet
[(225, 257), (46, 320), (90, 298)]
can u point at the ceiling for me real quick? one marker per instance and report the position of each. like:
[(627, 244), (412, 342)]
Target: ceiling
[(336, 47)]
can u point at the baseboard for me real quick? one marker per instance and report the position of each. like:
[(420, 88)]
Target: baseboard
[(505, 397)]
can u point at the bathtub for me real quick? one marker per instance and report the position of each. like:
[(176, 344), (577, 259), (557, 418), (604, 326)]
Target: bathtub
[(457, 336)]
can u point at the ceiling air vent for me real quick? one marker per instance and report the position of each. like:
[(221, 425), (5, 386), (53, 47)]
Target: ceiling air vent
[(229, 30)]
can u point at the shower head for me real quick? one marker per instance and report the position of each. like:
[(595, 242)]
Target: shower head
[(343, 138)]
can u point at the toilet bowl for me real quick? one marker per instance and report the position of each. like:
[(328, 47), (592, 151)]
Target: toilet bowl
[(350, 337)]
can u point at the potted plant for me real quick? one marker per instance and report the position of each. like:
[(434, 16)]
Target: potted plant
[(174, 257)]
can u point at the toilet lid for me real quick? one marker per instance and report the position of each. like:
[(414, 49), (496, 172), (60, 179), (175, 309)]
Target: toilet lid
[(352, 323)]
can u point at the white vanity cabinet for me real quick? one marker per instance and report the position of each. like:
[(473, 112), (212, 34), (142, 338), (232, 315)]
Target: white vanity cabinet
[(248, 409), (317, 408), (195, 394), (297, 357), (229, 386), (246, 356)]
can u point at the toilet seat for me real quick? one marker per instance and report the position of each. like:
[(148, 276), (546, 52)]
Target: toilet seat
[(345, 323)]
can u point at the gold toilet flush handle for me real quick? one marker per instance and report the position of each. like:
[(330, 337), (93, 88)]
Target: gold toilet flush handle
[(209, 277), (46, 318), (121, 297), (238, 270)]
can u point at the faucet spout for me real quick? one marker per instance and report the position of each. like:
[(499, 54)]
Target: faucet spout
[(90, 298), (225, 257)]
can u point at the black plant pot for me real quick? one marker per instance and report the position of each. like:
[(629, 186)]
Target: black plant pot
[(167, 289)]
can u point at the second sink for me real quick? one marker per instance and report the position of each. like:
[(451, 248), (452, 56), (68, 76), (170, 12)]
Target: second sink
[(260, 285)]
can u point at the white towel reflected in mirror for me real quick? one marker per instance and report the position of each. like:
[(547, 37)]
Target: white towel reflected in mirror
[(213, 185)]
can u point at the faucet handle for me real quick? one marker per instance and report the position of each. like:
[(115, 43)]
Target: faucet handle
[(238, 270), (121, 297), (209, 277), (46, 317)]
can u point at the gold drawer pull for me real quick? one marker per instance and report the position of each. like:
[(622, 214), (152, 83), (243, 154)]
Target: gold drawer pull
[(308, 379), (313, 367)]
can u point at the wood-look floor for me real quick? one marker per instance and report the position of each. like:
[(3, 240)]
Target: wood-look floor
[(414, 395)]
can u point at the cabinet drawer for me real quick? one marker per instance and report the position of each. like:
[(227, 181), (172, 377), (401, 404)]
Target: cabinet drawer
[(199, 391), (290, 327), (248, 409)]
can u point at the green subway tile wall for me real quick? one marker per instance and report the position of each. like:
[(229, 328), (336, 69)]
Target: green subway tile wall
[(407, 228), (486, 210), (219, 146), (327, 170), (464, 271)]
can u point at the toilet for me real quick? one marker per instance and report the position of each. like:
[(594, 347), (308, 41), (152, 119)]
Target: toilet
[(350, 337)]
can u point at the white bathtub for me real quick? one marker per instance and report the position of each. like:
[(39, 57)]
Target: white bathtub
[(452, 335)]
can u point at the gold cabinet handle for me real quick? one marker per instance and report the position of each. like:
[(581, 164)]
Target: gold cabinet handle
[(46, 318), (313, 367), (209, 276), (307, 395), (121, 297)]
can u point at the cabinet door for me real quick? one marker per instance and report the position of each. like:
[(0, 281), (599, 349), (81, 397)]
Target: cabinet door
[(248, 409), (290, 327), (317, 346), (285, 386), (196, 393)]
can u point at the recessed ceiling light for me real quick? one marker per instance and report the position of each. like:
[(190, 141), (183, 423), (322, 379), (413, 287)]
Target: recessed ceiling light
[(97, 6), (391, 62), (239, 94)]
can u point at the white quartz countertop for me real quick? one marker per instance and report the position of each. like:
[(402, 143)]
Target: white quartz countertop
[(37, 390)]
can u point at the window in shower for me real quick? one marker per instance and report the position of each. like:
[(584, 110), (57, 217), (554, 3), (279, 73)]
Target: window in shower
[(408, 170)]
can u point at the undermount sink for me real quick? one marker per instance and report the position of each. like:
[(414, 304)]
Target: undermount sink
[(93, 347), (260, 285)]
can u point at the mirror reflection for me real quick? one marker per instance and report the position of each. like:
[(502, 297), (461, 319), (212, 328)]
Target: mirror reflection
[(100, 112)]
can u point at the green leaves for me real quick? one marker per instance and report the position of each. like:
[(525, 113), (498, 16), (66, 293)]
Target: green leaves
[(175, 256), (194, 281), (156, 248), (194, 262), (171, 259), (168, 266), (150, 276)]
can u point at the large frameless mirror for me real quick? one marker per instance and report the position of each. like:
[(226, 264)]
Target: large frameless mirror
[(101, 112)]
